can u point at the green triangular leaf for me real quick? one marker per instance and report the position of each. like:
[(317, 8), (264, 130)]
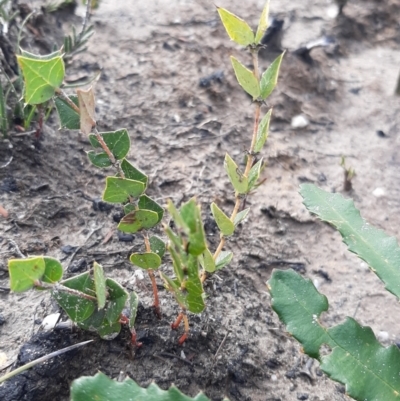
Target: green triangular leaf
[(237, 29), (254, 174), (157, 245), (77, 308), (133, 306), (138, 220), (147, 203), (24, 272), (146, 261), (117, 141), (117, 297), (100, 160), (238, 180), (223, 259), (133, 173), (53, 270), (270, 77), (224, 223), (118, 190), (208, 261), (262, 132), (42, 76), (241, 216), (246, 79), (69, 118), (263, 24)]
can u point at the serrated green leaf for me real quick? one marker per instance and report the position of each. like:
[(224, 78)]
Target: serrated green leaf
[(157, 245), (138, 220), (241, 216), (375, 247), (368, 370), (53, 270), (42, 76), (223, 259), (207, 261), (24, 272), (100, 285), (100, 160), (299, 305), (246, 78), (238, 180), (101, 388), (238, 30), (148, 260), (117, 297), (224, 223), (269, 78), (133, 307), (254, 174), (133, 173), (77, 308), (118, 190), (263, 24), (117, 141), (262, 132), (146, 202), (69, 118)]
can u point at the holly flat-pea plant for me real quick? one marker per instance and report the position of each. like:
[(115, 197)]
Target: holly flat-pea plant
[(91, 300), (356, 359)]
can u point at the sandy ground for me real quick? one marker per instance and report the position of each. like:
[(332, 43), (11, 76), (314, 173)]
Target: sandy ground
[(153, 56)]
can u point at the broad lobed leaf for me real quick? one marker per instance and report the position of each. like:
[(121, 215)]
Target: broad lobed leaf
[(374, 246), (369, 371), (102, 388)]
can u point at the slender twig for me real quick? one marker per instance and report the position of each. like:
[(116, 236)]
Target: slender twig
[(150, 272), (221, 345), (63, 288), (16, 248), (65, 97), (249, 164), (40, 360)]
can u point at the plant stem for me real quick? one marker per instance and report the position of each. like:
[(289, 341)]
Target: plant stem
[(65, 97), (150, 272), (104, 146), (40, 360), (249, 164), (86, 19), (63, 288)]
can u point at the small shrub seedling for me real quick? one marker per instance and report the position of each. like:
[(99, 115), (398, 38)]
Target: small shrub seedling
[(369, 371), (90, 299), (95, 302)]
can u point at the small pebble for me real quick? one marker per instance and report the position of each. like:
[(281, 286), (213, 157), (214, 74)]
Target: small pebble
[(50, 321), (383, 336), (299, 121), (378, 192)]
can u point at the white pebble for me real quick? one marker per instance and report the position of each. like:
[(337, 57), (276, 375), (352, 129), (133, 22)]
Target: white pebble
[(50, 321), (378, 192), (383, 336), (299, 121)]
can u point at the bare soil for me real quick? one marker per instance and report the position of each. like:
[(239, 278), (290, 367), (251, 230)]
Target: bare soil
[(153, 57)]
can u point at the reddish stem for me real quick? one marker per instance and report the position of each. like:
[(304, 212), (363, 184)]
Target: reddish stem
[(156, 304), (183, 338), (177, 322)]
